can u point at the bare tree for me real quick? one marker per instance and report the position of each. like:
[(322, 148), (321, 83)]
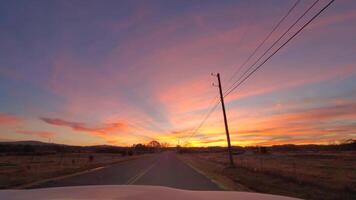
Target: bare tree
[(154, 144)]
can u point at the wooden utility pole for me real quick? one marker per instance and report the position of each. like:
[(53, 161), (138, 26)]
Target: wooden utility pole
[(225, 121)]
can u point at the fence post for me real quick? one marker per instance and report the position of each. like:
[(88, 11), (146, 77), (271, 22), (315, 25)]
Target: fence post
[(295, 170)]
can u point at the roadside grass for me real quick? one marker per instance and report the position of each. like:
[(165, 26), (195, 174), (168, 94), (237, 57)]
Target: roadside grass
[(17, 170), (307, 176), (214, 171)]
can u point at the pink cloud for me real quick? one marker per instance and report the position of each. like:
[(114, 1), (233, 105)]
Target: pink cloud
[(187, 96), (163, 76), (272, 81), (346, 111), (6, 118), (41, 134), (104, 130), (333, 19)]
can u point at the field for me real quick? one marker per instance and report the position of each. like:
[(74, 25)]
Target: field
[(16, 170), (308, 175)]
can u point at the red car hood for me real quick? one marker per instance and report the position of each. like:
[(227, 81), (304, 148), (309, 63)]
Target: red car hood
[(129, 192)]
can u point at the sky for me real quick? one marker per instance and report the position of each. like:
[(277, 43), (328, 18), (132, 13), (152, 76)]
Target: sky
[(128, 72)]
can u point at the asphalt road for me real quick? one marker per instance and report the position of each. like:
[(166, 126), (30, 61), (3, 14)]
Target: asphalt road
[(164, 169)]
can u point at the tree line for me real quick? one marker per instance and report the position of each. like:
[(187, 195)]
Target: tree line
[(23, 148)]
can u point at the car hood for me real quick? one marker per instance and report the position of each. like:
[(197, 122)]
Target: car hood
[(129, 192)]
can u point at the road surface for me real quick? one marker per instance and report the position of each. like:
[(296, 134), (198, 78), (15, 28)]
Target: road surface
[(164, 169)]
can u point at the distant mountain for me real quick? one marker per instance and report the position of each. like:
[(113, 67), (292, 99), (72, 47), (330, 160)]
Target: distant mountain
[(39, 143), (101, 146), (28, 147), (31, 142)]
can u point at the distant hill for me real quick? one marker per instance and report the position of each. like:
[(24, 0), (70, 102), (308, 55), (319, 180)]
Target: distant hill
[(39, 143), (31, 142), (30, 146)]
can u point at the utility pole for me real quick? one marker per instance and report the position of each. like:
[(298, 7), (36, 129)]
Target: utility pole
[(225, 121)]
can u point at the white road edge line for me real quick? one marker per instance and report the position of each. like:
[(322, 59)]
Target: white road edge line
[(221, 186)]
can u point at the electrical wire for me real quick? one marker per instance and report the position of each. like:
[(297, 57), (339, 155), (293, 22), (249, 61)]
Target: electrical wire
[(269, 57)]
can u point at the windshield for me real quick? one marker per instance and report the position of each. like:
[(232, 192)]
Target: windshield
[(247, 96)]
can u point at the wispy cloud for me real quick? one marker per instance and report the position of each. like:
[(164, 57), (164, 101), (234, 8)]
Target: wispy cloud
[(6, 118), (337, 18), (41, 134), (103, 130), (297, 124), (331, 112), (141, 70)]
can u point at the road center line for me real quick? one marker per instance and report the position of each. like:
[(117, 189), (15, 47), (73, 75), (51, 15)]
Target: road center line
[(139, 175)]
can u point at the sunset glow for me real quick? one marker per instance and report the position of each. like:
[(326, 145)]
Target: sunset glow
[(128, 72)]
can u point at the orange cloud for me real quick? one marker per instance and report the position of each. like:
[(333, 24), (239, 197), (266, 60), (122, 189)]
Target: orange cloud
[(41, 134), (77, 126), (346, 111), (6, 118), (171, 80), (177, 95), (296, 124)]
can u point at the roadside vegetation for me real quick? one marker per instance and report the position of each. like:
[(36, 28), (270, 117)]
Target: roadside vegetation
[(308, 172), (24, 163)]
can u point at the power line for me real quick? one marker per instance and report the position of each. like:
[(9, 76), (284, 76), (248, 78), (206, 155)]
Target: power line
[(263, 42), (274, 43), (295, 34), (212, 109), (246, 61), (232, 87)]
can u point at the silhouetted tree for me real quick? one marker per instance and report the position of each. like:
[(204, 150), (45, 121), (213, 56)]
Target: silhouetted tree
[(164, 145), (140, 148), (154, 144)]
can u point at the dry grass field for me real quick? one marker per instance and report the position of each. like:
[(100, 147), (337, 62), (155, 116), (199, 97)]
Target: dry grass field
[(16, 170), (326, 175)]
